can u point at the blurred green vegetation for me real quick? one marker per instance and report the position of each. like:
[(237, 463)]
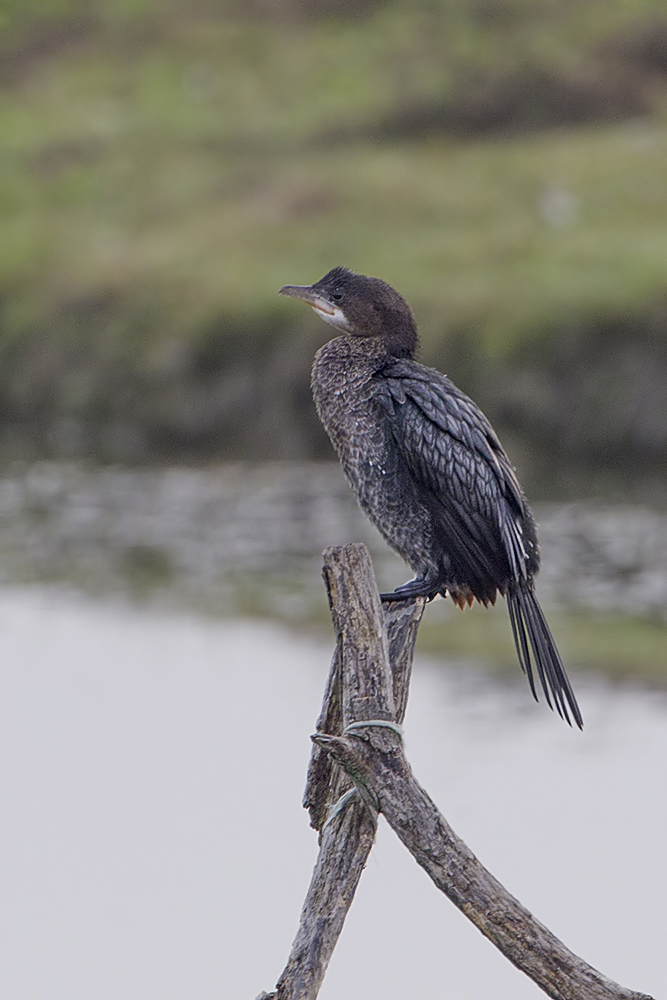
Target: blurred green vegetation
[(619, 647), (165, 168)]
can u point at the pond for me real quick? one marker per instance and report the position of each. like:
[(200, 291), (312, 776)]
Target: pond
[(153, 844), (246, 539)]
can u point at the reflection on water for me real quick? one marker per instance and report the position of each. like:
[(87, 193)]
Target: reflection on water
[(192, 535), (153, 844)]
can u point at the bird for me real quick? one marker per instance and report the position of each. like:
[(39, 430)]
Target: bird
[(428, 469)]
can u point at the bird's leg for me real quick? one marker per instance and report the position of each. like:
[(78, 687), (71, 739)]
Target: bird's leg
[(422, 586)]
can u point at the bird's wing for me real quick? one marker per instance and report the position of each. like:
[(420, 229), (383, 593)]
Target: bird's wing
[(453, 452)]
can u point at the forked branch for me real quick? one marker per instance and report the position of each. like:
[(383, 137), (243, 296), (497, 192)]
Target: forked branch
[(369, 681)]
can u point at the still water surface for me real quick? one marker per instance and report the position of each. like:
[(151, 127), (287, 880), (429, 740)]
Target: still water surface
[(152, 843)]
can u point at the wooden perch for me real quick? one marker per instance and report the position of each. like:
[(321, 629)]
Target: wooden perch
[(369, 680)]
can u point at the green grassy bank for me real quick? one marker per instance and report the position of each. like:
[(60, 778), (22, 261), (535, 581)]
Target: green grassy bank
[(619, 647), (165, 169)]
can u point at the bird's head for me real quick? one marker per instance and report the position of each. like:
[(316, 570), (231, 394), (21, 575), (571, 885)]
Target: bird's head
[(361, 307)]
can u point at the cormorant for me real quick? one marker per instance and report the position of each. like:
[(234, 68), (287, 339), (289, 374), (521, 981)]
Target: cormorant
[(428, 469)]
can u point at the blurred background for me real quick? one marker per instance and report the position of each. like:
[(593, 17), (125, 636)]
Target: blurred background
[(166, 489)]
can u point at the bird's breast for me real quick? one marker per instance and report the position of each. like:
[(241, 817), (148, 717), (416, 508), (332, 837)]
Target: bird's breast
[(348, 402), (344, 394)]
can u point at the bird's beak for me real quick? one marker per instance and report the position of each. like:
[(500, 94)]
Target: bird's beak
[(306, 294)]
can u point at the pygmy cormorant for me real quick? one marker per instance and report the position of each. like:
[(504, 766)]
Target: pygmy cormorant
[(427, 468)]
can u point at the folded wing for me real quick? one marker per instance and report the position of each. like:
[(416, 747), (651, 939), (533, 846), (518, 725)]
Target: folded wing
[(465, 476)]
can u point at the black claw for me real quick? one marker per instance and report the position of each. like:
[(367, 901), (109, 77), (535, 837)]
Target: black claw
[(419, 587)]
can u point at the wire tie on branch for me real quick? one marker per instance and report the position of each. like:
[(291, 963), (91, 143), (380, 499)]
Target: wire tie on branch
[(337, 807), (352, 727)]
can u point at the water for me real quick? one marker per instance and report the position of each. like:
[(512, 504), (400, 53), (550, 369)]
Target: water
[(153, 844), (190, 536)]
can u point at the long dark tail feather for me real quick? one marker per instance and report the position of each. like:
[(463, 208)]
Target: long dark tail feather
[(532, 636)]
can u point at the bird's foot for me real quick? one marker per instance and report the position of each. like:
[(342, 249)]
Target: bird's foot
[(421, 586)]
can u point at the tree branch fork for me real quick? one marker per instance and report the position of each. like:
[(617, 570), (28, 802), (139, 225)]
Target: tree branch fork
[(369, 681)]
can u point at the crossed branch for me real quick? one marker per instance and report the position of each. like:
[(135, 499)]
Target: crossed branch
[(358, 769)]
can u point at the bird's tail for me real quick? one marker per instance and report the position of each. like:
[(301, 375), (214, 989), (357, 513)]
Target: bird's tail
[(535, 644)]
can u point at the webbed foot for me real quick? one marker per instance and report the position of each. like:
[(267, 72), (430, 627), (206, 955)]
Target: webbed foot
[(421, 586)]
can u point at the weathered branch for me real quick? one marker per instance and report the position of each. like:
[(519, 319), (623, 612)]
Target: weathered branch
[(362, 687), (525, 941), (401, 620)]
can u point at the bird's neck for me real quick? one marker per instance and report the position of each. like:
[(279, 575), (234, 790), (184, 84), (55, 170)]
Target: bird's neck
[(351, 358), (344, 370), (402, 341)]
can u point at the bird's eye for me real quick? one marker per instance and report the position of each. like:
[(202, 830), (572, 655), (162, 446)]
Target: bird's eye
[(337, 294)]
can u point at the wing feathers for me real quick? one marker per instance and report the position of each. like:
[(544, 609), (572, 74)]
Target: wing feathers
[(451, 449), (487, 531)]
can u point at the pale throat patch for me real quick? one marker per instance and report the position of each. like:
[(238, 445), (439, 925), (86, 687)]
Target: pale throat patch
[(336, 317)]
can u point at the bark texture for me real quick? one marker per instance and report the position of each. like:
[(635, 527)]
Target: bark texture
[(354, 775), (455, 870), (362, 685)]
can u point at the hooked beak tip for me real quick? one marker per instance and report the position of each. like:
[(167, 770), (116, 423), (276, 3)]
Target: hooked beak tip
[(296, 291), (306, 294)]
